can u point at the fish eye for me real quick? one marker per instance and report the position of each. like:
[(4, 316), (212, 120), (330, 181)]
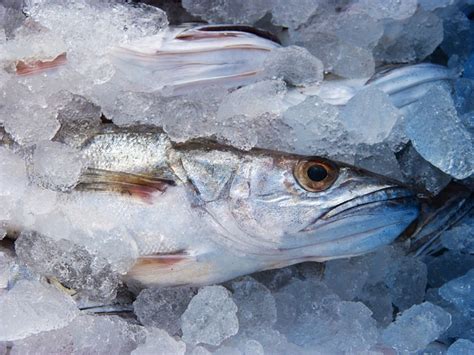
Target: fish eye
[(315, 175)]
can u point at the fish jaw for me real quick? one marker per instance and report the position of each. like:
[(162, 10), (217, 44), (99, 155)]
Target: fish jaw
[(359, 227)]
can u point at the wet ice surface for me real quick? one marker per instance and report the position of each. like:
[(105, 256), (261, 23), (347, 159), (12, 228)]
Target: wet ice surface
[(72, 255)]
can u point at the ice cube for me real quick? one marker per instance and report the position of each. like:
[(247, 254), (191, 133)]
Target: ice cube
[(430, 5), (256, 305), (79, 119), (216, 11), (396, 9), (346, 277), (309, 314), (31, 307), (163, 307), (378, 299), (340, 42), (406, 280), (295, 65), (253, 100), (410, 39), (315, 128), (378, 158), (460, 292), (460, 237), (469, 68), (293, 13), (56, 166), (416, 327), (464, 95), (13, 181), (31, 125), (438, 134), (418, 171), (159, 342), (7, 262), (461, 347), (69, 263), (369, 116), (210, 317), (85, 335), (448, 266), (457, 32)]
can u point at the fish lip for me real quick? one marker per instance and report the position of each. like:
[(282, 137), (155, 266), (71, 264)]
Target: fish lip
[(392, 194)]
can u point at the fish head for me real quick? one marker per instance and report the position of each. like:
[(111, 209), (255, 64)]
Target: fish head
[(293, 208)]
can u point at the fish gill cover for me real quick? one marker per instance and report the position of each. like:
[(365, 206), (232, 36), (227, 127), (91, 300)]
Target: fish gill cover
[(107, 107)]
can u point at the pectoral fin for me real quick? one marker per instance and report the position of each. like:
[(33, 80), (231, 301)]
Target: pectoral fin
[(137, 185), (172, 269)]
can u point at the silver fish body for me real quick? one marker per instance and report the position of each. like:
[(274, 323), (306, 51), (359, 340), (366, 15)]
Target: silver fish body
[(240, 212)]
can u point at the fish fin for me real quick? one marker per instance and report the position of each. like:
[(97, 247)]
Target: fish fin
[(170, 269), (450, 207), (222, 31), (25, 67), (162, 260), (136, 185)]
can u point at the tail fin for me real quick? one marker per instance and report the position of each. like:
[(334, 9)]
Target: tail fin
[(449, 209)]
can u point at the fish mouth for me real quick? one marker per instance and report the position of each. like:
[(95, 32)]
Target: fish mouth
[(360, 225), (388, 200), (390, 195)]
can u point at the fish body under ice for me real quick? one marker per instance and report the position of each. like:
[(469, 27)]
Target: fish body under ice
[(211, 213)]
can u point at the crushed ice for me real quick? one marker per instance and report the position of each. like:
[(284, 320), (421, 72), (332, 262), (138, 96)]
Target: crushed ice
[(385, 301)]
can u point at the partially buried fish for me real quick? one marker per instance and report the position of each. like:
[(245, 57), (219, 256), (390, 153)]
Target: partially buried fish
[(210, 212), (239, 212)]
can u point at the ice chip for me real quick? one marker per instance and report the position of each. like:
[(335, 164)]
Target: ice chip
[(416, 327), (418, 171), (396, 9), (29, 125), (56, 166), (309, 314), (69, 263), (163, 307), (217, 11), (295, 65), (378, 299), (31, 307), (86, 334), (293, 13), (315, 128), (469, 67), (406, 280), (460, 292), (210, 317), (256, 305), (369, 116), (438, 134), (253, 100), (460, 237), (410, 39), (13, 181), (450, 265), (160, 342), (461, 347), (346, 277)]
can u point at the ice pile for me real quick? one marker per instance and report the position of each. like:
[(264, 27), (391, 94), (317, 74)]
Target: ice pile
[(327, 90)]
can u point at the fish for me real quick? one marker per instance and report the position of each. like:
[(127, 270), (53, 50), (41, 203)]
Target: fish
[(220, 212), (189, 57)]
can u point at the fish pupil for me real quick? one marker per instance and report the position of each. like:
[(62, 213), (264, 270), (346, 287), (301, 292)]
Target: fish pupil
[(317, 173)]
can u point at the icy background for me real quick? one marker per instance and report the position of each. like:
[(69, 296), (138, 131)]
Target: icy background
[(382, 303)]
